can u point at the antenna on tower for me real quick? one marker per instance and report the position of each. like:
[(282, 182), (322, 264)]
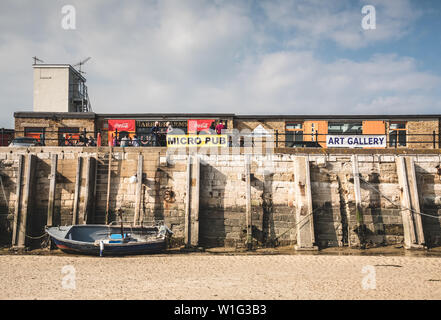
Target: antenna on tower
[(81, 63), (37, 60)]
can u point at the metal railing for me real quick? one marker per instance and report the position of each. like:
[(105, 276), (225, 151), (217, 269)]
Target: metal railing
[(393, 140), (281, 140)]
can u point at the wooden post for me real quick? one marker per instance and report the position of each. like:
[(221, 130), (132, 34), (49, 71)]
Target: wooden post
[(412, 223), (141, 217), (249, 221), (52, 185), (309, 202), (109, 177), (77, 192), (414, 198), (138, 190), (95, 174), (187, 225), (86, 202), (357, 191), (27, 198), (407, 214), (194, 202), (17, 200), (304, 211)]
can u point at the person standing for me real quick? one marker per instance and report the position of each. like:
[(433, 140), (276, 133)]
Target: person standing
[(90, 142), (212, 128), (125, 142), (135, 141), (169, 127), (155, 134), (69, 140), (220, 127)]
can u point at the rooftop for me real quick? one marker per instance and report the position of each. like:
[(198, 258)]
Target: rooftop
[(42, 65), (220, 115)]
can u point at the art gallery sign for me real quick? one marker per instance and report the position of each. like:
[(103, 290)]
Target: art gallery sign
[(356, 141)]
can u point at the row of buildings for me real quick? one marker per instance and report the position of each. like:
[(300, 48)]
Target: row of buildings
[(399, 131), (62, 109)]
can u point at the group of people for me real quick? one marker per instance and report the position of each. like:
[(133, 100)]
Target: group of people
[(126, 141), (82, 141), (156, 136)]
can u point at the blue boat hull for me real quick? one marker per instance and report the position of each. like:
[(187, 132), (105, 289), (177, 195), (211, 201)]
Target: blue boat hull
[(91, 249), (85, 239)]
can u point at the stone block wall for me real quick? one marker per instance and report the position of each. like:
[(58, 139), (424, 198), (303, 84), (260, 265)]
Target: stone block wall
[(223, 202), (429, 185), (334, 201), (424, 134), (222, 198)]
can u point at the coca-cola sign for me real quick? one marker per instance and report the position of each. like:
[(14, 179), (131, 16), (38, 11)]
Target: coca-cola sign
[(197, 125)]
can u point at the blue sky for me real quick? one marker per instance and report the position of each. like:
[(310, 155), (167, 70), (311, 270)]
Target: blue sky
[(263, 57)]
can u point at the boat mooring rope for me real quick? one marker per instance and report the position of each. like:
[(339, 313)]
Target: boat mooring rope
[(39, 237), (398, 206)]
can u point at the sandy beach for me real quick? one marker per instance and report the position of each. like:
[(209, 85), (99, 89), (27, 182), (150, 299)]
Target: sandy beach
[(212, 276)]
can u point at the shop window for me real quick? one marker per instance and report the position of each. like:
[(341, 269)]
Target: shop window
[(345, 128), (68, 136), (293, 134), (397, 134), (36, 133), (144, 127)]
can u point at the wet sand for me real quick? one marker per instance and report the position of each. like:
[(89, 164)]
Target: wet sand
[(221, 276)]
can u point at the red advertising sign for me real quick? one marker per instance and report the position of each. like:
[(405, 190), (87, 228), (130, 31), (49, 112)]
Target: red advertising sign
[(197, 125), (122, 125)]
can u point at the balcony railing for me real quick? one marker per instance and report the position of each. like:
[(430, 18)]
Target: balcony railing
[(280, 140)]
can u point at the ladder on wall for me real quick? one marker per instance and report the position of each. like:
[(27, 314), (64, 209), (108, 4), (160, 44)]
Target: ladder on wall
[(107, 167)]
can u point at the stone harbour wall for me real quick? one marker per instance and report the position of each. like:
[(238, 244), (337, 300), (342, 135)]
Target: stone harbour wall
[(208, 194)]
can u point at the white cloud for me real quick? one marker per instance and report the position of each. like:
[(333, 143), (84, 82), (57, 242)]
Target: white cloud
[(312, 21)]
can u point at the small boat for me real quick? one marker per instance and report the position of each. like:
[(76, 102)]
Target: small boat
[(109, 240)]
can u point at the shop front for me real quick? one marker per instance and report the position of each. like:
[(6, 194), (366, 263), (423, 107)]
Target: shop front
[(145, 134), (120, 128)]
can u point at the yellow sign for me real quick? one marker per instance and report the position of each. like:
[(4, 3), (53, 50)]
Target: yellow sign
[(194, 140)]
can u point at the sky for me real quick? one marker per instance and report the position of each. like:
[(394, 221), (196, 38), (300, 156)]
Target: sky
[(239, 56)]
